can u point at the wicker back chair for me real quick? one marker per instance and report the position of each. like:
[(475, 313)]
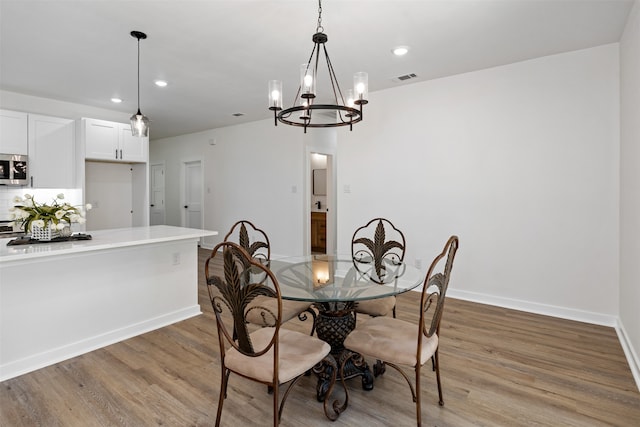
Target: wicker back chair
[(401, 343), (377, 244), (256, 243), (270, 354)]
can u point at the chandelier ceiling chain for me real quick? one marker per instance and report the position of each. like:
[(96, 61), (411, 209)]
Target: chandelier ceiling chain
[(319, 28), (312, 114)]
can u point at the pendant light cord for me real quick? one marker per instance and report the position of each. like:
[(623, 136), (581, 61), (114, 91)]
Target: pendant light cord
[(138, 75)]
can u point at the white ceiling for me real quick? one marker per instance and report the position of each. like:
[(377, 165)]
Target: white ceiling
[(217, 56)]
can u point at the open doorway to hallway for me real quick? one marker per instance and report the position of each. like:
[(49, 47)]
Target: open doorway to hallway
[(322, 218)]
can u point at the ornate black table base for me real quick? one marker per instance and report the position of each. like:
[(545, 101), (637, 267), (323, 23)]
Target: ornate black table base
[(333, 327)]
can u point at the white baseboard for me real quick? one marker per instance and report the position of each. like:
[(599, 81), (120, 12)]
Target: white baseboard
[(532, 307), (629, 352), (37, 361)]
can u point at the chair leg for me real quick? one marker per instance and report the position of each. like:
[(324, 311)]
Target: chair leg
[(223, 393), (276, 408), (437, 365), (379, 368), (418, 393), (433, 363)]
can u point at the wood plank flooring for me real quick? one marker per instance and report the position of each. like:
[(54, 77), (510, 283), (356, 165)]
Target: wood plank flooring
[(499, 367)]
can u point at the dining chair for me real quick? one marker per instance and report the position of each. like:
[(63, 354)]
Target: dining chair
[(402, 343), (256, 243), (377, 244), (270, 354)]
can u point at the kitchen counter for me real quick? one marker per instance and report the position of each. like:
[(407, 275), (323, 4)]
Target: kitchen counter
[(60, 300), (101, 240)]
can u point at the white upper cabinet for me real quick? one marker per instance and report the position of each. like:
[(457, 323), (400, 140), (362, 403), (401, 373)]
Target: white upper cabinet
[(112, 141), (13, 132), (133, 148), (52, 151)]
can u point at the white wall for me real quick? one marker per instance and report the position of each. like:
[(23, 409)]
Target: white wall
[(252, 171), (630, 188), (520, 161)]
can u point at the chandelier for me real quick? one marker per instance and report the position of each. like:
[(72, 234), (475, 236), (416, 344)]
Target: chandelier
[(309, 112), (139, 122)]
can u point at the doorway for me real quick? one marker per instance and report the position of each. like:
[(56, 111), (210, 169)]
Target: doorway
[(192, 202), (322, 203), (157, 207)]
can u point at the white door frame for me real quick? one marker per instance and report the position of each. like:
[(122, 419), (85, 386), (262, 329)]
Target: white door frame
[(332, 216), (183, 183)]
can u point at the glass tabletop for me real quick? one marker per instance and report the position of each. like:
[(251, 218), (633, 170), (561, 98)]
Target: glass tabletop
[(327, 278)]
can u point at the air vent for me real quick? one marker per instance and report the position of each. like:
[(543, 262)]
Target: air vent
[(405, 77), (237, 114)]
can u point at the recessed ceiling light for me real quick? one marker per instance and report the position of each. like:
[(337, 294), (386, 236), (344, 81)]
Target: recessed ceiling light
[(160, 83), (400, 50), (116, 100)]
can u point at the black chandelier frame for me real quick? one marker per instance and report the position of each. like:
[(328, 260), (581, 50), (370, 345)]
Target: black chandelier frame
[(345, 115)]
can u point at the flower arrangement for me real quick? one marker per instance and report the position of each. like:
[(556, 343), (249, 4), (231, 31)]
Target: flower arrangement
[(27, 212)]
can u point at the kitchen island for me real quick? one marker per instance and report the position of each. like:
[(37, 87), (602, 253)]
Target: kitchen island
[(59, 300)]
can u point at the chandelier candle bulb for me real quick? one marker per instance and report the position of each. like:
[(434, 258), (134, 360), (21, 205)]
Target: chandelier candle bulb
[(350, 102), (304, 115), (307, 81), (275, 94), (275, 98), (361, 87)]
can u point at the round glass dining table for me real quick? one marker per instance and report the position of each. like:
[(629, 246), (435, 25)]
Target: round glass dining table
[(331, 279), (335, 284)]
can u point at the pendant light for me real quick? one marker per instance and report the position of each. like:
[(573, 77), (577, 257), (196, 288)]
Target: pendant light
[(342, 109), (139, 122)]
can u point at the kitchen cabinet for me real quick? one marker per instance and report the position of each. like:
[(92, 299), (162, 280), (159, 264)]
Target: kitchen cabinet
[(113, 170), (52, 151), (112, 141), (13, 132), (319, 232)]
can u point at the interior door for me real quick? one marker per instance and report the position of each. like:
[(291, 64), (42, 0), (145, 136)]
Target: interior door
[(193, 195), (157, 208)]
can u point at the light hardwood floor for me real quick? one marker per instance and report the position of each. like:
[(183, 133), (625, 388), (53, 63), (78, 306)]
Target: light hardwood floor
[(499, 368)]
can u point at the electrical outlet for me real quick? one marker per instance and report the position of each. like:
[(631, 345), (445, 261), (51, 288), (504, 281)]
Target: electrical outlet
[(418, 263), (176, 258)]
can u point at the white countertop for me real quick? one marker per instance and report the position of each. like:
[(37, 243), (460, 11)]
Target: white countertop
[(101, 239)]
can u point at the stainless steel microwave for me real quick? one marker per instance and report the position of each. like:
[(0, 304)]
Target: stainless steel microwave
[(13, 169)]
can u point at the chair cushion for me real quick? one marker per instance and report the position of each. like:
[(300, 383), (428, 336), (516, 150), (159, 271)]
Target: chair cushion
[(391, 340), (263, 309), (298, 353), (376, 307)]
